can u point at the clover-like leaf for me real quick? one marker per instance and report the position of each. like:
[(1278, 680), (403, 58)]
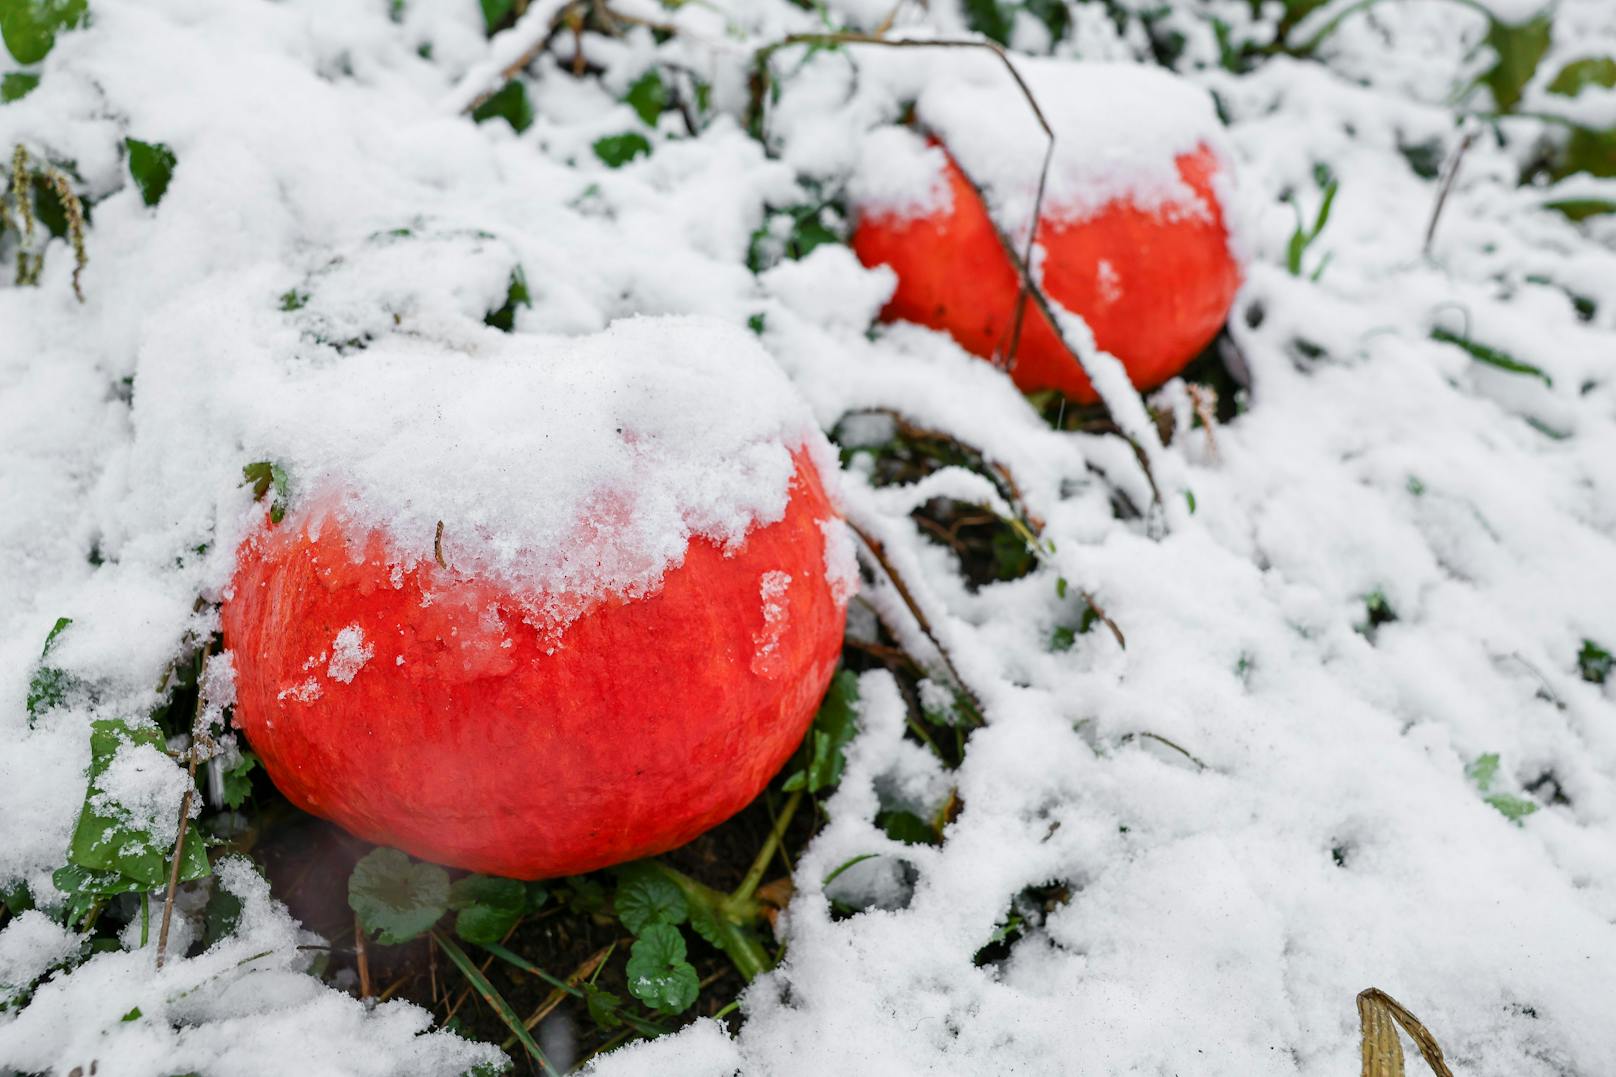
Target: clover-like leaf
[(397, 898), (645, 896), (658, 974), (488, 907)]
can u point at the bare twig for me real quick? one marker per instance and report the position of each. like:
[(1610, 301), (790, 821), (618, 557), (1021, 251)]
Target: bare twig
[(529, 37), (576, 977), (1450, 173), (1007, 480), (437, 546), (1204, 403), (878, 553)]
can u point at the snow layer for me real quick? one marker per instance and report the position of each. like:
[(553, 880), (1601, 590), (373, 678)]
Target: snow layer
[(1254, 810), (245, 1006)]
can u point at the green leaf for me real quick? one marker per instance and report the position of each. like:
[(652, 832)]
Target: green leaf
[(110, 842), (495, 12), (47, 688), (516, 295), (907, 827), (603, 1006), (87, 889), (220, 917), (1519, 48), (509, 103), (833, 728), (991, 18), (1482, 772), (152, 166), (1594, 662), (584, 895), (1491, 356), (262, 476), (1512, 808), (1575, 77), (1063, 638), (646, 897), (1580, 209), (1593, 152), (16, 898), (238, 781), (15, 85), (648, 97), (30, 26), (397, 899), (617, 150), (132, 1015), (658, 974), (489, 907)]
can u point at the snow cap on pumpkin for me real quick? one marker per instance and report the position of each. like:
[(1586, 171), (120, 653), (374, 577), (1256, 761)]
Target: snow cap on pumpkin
[(570, 468), (1119, 129)]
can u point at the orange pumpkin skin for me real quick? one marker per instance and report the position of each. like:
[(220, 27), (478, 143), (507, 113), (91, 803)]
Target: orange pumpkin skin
[(1155, 287), (471, 738)]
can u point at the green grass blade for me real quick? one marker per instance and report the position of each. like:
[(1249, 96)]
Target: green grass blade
[(495, 1000)]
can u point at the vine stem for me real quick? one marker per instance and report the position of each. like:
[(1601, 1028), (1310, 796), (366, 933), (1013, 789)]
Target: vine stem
[(760, 864), (185, 814)]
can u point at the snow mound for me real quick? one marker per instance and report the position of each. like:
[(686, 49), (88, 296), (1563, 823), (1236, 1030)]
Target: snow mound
[(245, 1006)]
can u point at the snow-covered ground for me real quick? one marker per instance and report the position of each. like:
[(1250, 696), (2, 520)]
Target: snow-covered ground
[(1264, 803)]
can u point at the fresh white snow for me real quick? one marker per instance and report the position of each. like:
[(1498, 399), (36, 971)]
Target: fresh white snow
[(1315, 835)]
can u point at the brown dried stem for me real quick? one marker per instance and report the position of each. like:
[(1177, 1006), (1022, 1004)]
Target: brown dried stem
[(878, 554), (1382, 1053), (197, 736), (1450, 173)]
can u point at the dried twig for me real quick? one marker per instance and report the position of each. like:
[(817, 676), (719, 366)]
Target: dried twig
[(576, 977), (1204, 403), (878, 553), (530, 36), (437, 546), (1450, 173), (1007, 480)]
